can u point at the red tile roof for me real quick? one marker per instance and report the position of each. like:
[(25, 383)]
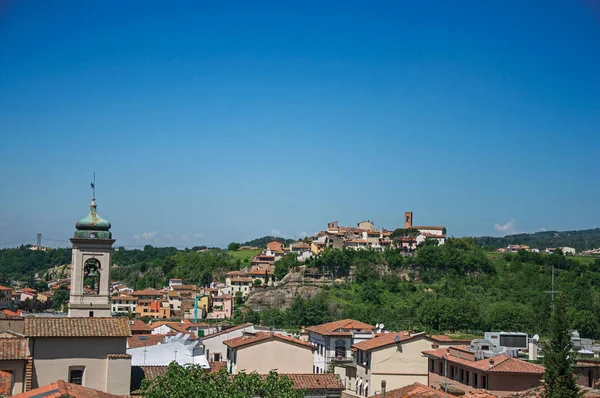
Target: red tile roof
[(138, 326), (76, 327), (147, 292), (5, 288), (139, 373), (238, 327), (115, 298), (64, 389), (312, 382), (344, 326), (501, 363), (13, 348), (413, 390), (6, 379), (145, 340), (176, 326), (386, 339), (216, 366), (242, 280), (260, 337)]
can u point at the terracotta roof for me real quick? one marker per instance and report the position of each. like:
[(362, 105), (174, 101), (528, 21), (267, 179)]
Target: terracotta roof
[(76, 327), (115, 298), (428, 227), (244, 325), (428, 235), (343, 325), (6, 379), (215, 366), (260, 337), (13, 348), (117, 356), (145, 340), (312, 382), (386, 339), (139, 373), (177, 326), (246, 280), (501, 363), (413, 390), (147, 292), (5, 288), (138, 326), (64, 389), (184, 287), (479, 394)]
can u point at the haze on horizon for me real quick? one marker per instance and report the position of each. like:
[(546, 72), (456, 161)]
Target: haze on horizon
[(208, 123)]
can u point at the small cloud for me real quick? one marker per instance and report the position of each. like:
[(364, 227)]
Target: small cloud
[(146, 236), (184, 238), (198, 236), (543, 229), (507, 229), (278, 233)]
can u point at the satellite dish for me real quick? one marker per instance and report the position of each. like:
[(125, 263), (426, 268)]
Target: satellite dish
[(377, 326), (397, 339), (381, 325), (536, 337)]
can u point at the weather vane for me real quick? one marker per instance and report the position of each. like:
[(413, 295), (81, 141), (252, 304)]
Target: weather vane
[(93, 185)]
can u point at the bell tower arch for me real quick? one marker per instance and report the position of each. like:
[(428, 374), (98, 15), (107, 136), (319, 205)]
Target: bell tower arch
[(90, 266)]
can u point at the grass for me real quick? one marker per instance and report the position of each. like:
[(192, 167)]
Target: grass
[(244, 254)]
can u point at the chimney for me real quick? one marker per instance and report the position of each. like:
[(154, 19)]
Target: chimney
[(435, 346), (270, 332), (383, 383), (491, 362)]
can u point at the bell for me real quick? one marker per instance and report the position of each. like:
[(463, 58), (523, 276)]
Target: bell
[(92, 273)]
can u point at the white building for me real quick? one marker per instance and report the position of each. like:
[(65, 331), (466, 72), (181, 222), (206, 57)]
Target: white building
[(333, 341), (177, 348)]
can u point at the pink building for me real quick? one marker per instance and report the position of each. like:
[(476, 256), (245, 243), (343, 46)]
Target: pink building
[(222, 307)]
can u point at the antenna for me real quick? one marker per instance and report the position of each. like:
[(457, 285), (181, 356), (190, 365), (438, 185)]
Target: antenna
[(552, 292), (93, 186)]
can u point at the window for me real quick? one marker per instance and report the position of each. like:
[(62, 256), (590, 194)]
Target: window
[(431, 365), (76, 376), (462, 375), (91, 314), (475, 379), (484, 382)]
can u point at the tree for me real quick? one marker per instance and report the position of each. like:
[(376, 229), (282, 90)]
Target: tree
[(283, 265), (60, 298), (193, 381), (559, 381), (233, 246)]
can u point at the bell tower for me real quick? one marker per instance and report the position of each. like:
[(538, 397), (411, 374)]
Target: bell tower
[(90, 266), (408, 219)]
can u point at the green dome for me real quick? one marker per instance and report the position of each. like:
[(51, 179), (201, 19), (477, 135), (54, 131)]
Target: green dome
[(93, 226)]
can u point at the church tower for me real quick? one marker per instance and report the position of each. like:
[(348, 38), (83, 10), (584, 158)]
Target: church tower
[(90, 266)]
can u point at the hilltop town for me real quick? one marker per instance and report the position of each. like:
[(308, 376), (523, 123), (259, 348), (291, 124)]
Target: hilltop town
[(105, 336)]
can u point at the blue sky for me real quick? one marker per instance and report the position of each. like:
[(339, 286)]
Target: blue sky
[(211, 122)]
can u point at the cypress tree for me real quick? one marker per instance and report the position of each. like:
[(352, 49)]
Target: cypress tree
[(559, 380)]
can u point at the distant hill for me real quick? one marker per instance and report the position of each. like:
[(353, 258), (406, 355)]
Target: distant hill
[(262, 242), (579, 240)]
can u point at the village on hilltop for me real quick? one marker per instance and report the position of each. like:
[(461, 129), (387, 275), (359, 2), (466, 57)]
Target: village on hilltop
[(113, 337)]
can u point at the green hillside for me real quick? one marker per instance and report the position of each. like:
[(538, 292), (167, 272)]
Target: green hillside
[(579, 240)]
